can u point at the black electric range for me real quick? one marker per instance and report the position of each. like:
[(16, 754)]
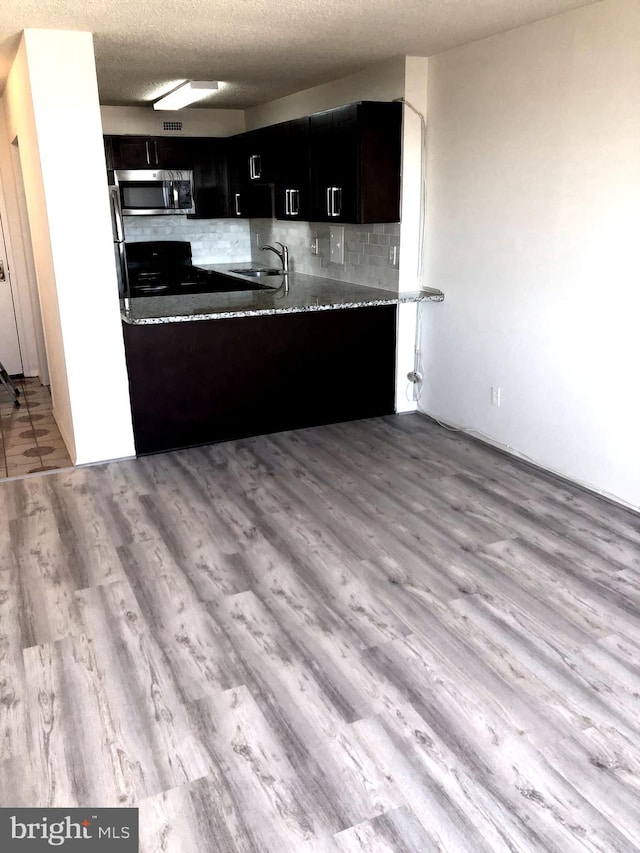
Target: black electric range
[(165, 268)]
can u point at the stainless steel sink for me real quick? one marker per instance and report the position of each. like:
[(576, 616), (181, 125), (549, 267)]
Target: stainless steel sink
[(257, 273)]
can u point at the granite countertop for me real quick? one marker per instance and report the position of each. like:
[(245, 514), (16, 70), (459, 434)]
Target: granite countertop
[(305, 293)]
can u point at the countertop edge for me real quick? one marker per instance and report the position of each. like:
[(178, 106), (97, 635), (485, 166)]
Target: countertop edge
[(429, 295)]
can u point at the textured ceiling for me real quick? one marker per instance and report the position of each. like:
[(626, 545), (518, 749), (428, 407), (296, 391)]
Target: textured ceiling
[(262, 50)]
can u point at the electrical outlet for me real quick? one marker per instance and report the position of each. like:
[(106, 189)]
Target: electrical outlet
[(336, 244), (314, 246), (496, 395), (393, 256)]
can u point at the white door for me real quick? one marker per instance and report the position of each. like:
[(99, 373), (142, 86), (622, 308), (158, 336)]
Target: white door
[(9, 346)]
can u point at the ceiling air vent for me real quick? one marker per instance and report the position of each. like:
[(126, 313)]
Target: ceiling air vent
[(172, 125)]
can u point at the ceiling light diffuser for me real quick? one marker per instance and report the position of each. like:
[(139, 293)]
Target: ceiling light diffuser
[(186, 94)]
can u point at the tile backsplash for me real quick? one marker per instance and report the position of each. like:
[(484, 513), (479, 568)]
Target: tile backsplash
[(213, 241), (366, 253)]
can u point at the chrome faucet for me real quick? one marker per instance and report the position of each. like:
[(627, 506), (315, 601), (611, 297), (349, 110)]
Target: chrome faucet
[(283, 255)]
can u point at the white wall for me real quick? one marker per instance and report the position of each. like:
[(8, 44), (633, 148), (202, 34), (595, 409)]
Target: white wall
[(147, 121), (52, 108), (412, 225), (533, 226), (414, 172)]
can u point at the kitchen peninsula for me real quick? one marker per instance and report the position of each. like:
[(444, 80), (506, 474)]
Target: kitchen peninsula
[(215, 366)]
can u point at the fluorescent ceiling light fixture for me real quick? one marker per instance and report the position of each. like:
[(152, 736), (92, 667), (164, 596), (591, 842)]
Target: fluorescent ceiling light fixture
[(191, 91)]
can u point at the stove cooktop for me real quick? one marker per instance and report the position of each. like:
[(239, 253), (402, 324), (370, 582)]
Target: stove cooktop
[(185, 280), (165, 268)]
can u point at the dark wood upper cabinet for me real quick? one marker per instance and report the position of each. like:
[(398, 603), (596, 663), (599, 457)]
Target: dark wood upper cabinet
[(342, 165), (248, 198), (291, 158), (355, 156), (260, 154), (150, 152), (334, 165), (210, 178)]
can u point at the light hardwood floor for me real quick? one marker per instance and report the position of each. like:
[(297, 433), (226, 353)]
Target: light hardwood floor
[(375, 636)]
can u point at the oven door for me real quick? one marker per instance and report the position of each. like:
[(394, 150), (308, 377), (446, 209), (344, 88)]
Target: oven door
[(148, 192)]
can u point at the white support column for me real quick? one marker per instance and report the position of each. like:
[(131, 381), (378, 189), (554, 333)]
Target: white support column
[(53, 109), (412, 222), (405, 356)]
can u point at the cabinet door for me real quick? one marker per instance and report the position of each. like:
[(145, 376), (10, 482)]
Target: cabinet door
[(379, 161), (172, 152), (345, 176), (292, 187), (210, 180), (150, 152), (259, 147), (355, 163), (334, 165), (132, 152), (247, 199)]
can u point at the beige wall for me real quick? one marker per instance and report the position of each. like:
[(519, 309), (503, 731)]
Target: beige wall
[(144, 120), (533, 219), (52, 108)]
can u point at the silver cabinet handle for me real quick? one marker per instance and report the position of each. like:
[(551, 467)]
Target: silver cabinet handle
[(336, 203), (147, 152), (255, 167), (291, 202), (237, 203), (155, 151)]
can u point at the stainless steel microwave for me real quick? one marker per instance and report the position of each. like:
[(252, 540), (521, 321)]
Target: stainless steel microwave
[(150, 192)]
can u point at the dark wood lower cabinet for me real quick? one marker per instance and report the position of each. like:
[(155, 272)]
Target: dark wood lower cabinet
[(211, 380)]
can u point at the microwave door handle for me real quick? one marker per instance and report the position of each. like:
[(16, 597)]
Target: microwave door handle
[(122, 269), (166, 193), (116, 215), (176, 194)]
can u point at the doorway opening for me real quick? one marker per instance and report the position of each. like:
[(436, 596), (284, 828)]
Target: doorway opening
[(30, 441)]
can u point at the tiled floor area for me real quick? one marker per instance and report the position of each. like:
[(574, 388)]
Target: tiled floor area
[(29, 437)]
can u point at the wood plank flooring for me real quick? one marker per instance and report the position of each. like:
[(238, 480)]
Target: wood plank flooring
[(374, 636)]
